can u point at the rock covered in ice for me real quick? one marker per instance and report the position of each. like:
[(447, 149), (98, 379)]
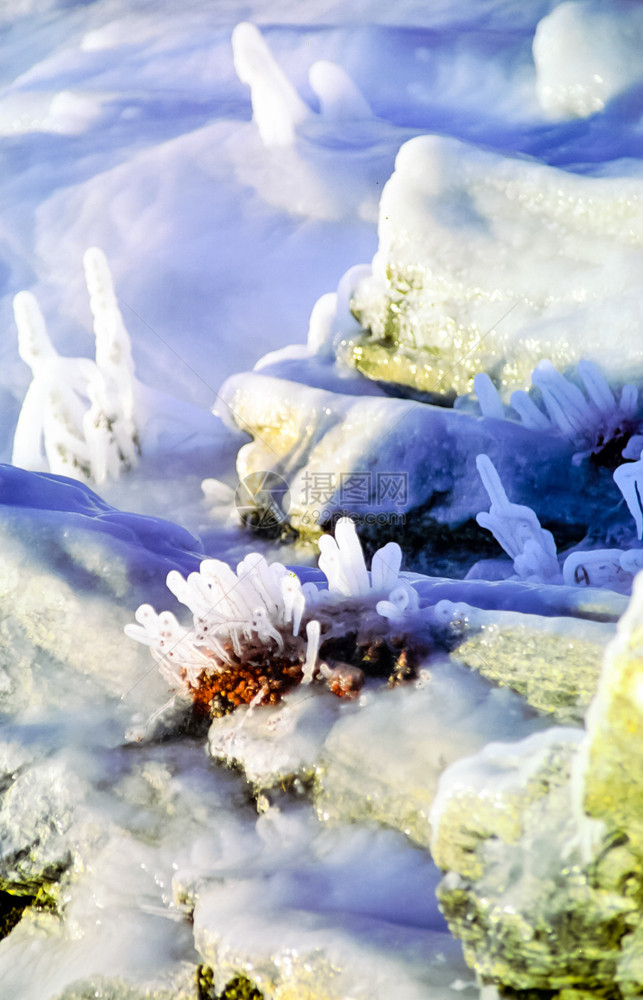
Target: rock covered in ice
[(111, 925), (488, 264), (613, 775), (179, 983), (378, 759), (586, 53), (323, 914), (383, 762), (554, 662), (279, 745), (506, 830), (73, 567), (546, 833), (380, 457)]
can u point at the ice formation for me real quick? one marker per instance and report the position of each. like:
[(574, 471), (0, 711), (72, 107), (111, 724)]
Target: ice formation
[(490, 263), (517, 529), (586, 54), (78, 418), (505, 238), (629, 479), (245, 643), (277, 108), (592, 423)]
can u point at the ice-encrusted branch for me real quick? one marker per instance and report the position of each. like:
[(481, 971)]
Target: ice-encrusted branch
[(77, 418), (517, 529)]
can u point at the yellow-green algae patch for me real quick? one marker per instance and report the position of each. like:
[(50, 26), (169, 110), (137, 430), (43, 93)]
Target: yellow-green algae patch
[(553, 663)]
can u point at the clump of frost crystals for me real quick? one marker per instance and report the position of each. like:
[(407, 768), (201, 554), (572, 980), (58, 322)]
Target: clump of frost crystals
[(246, 643), (518, 530), (342, 562), (591, 421), (259, 602), (78, 416)]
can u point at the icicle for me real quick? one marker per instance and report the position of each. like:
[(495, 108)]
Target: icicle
[(277, 109), (78, 414), (629, 479), (34, 345), (352, 556), (330, 564), (293, 600), (530, 415), (313, 634), (488, 397), (596, 387), (565, 403), (629, 399), (113, 348), (517, 529), (385, 567), (340, 99)]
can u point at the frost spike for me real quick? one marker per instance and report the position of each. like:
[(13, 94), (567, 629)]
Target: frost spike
[(385, 566), (596, 386), (629, 479), (352, 556), (34, 345), (277, 108), (530, 415), (488, 397), (313, 634)]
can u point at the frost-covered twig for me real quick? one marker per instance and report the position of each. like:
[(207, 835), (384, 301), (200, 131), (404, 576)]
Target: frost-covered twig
[(77, 418), (517, 529)]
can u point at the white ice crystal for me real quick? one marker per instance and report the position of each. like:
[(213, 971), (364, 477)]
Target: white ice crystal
[(77, 418), (629, 479), (342, 562), (266, 604), (277, 108), (589, 421), (259, 601), (488, 397), (517, 529)]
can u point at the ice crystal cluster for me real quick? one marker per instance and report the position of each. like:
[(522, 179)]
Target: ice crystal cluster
[(593, 422), (517, 529), (598, 424), (78, 417), (246, 643)]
